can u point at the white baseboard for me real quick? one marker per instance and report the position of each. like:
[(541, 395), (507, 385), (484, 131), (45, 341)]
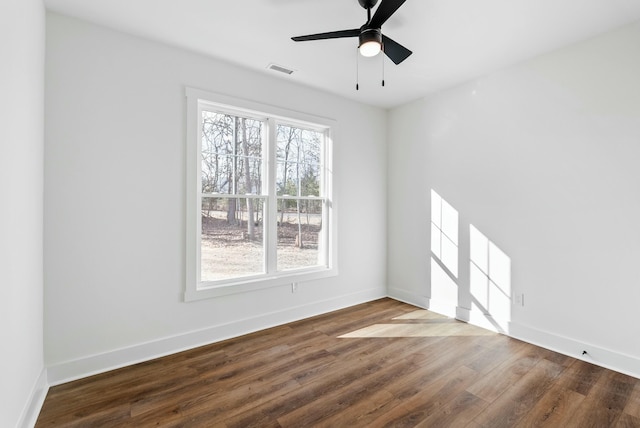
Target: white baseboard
[(100, 363), (443, 308), (564, 345), (597, 355), (440, 307), (36, 400), (408, 297), (483, 320), (463, 314)]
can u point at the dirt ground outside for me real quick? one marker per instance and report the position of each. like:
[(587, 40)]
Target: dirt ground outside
[(227, 251)]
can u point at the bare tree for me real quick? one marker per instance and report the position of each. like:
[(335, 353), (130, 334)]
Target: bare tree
[(299, 242), (247, 175), (232, 207), (291, 134)]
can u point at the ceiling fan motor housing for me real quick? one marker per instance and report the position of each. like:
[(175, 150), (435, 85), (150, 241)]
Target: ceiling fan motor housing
[(367, 4), (370, 35)]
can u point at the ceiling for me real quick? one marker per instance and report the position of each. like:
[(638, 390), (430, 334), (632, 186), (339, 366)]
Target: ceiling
[(453, 40)]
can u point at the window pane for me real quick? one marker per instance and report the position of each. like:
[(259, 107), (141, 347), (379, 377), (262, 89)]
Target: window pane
[(299, 233), (232, 238), (231, 154), (217, 133), (311, 142), (249, 136), (217, 173), (299, 157), (286, 183), (298, 179), (310, 180), (249, 162), (249, 171), (288, 141)]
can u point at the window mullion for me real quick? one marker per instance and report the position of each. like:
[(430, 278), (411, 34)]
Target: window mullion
[(271, 226), (196, 205), (234, 178), (324, 244)]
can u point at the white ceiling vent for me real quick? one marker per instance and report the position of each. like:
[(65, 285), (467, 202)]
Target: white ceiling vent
[(279, 68)]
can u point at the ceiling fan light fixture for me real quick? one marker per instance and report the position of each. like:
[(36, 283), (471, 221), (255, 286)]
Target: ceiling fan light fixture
[(370, 49), (370, 42)]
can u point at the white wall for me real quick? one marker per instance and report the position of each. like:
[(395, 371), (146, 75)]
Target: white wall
[(543, 159), (22, 28), (115, 195)]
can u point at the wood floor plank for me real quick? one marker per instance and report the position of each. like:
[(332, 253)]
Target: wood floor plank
[(458, 412), (627, 421), (428, 401), (271, 411), (555, 409), (503, 376), (613, 390), (380, 364), (508, 409), (593, 415), (343, 401), (633, 405), (581, 376), (605, 403)]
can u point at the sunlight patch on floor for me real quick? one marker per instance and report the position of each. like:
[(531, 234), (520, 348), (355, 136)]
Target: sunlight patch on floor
[(421, 314), (419, 330)]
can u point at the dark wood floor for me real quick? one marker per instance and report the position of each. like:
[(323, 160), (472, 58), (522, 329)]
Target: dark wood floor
[(380, 364)]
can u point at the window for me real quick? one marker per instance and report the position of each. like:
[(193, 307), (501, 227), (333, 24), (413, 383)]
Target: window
[(259, 206)]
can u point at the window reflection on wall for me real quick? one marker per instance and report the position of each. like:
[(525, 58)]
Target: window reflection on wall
[(444, 259), (444, 232), (490, 280)]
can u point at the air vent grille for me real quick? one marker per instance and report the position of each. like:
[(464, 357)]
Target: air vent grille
[(280, 68)]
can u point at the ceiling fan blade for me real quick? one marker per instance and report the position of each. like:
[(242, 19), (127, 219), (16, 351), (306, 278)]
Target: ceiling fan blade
[(330, 35), (394, 50), (384, 12)]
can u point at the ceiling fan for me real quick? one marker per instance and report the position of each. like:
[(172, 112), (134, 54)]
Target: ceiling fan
[(371, 39)]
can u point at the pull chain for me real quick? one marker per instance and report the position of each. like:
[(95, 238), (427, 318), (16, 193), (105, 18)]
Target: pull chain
[(357, 70), (382, 65)]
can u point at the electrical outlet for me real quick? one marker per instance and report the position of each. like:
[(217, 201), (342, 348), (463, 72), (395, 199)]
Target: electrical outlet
[(519, 299)]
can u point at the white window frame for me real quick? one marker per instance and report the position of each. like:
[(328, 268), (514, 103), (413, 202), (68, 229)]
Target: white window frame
[(194, 288)]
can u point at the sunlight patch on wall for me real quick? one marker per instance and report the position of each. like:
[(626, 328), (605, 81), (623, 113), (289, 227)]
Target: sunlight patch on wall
[(444, 232), (444, 289), (490, 280)]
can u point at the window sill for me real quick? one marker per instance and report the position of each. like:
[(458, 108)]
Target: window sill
[(253, 284)]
